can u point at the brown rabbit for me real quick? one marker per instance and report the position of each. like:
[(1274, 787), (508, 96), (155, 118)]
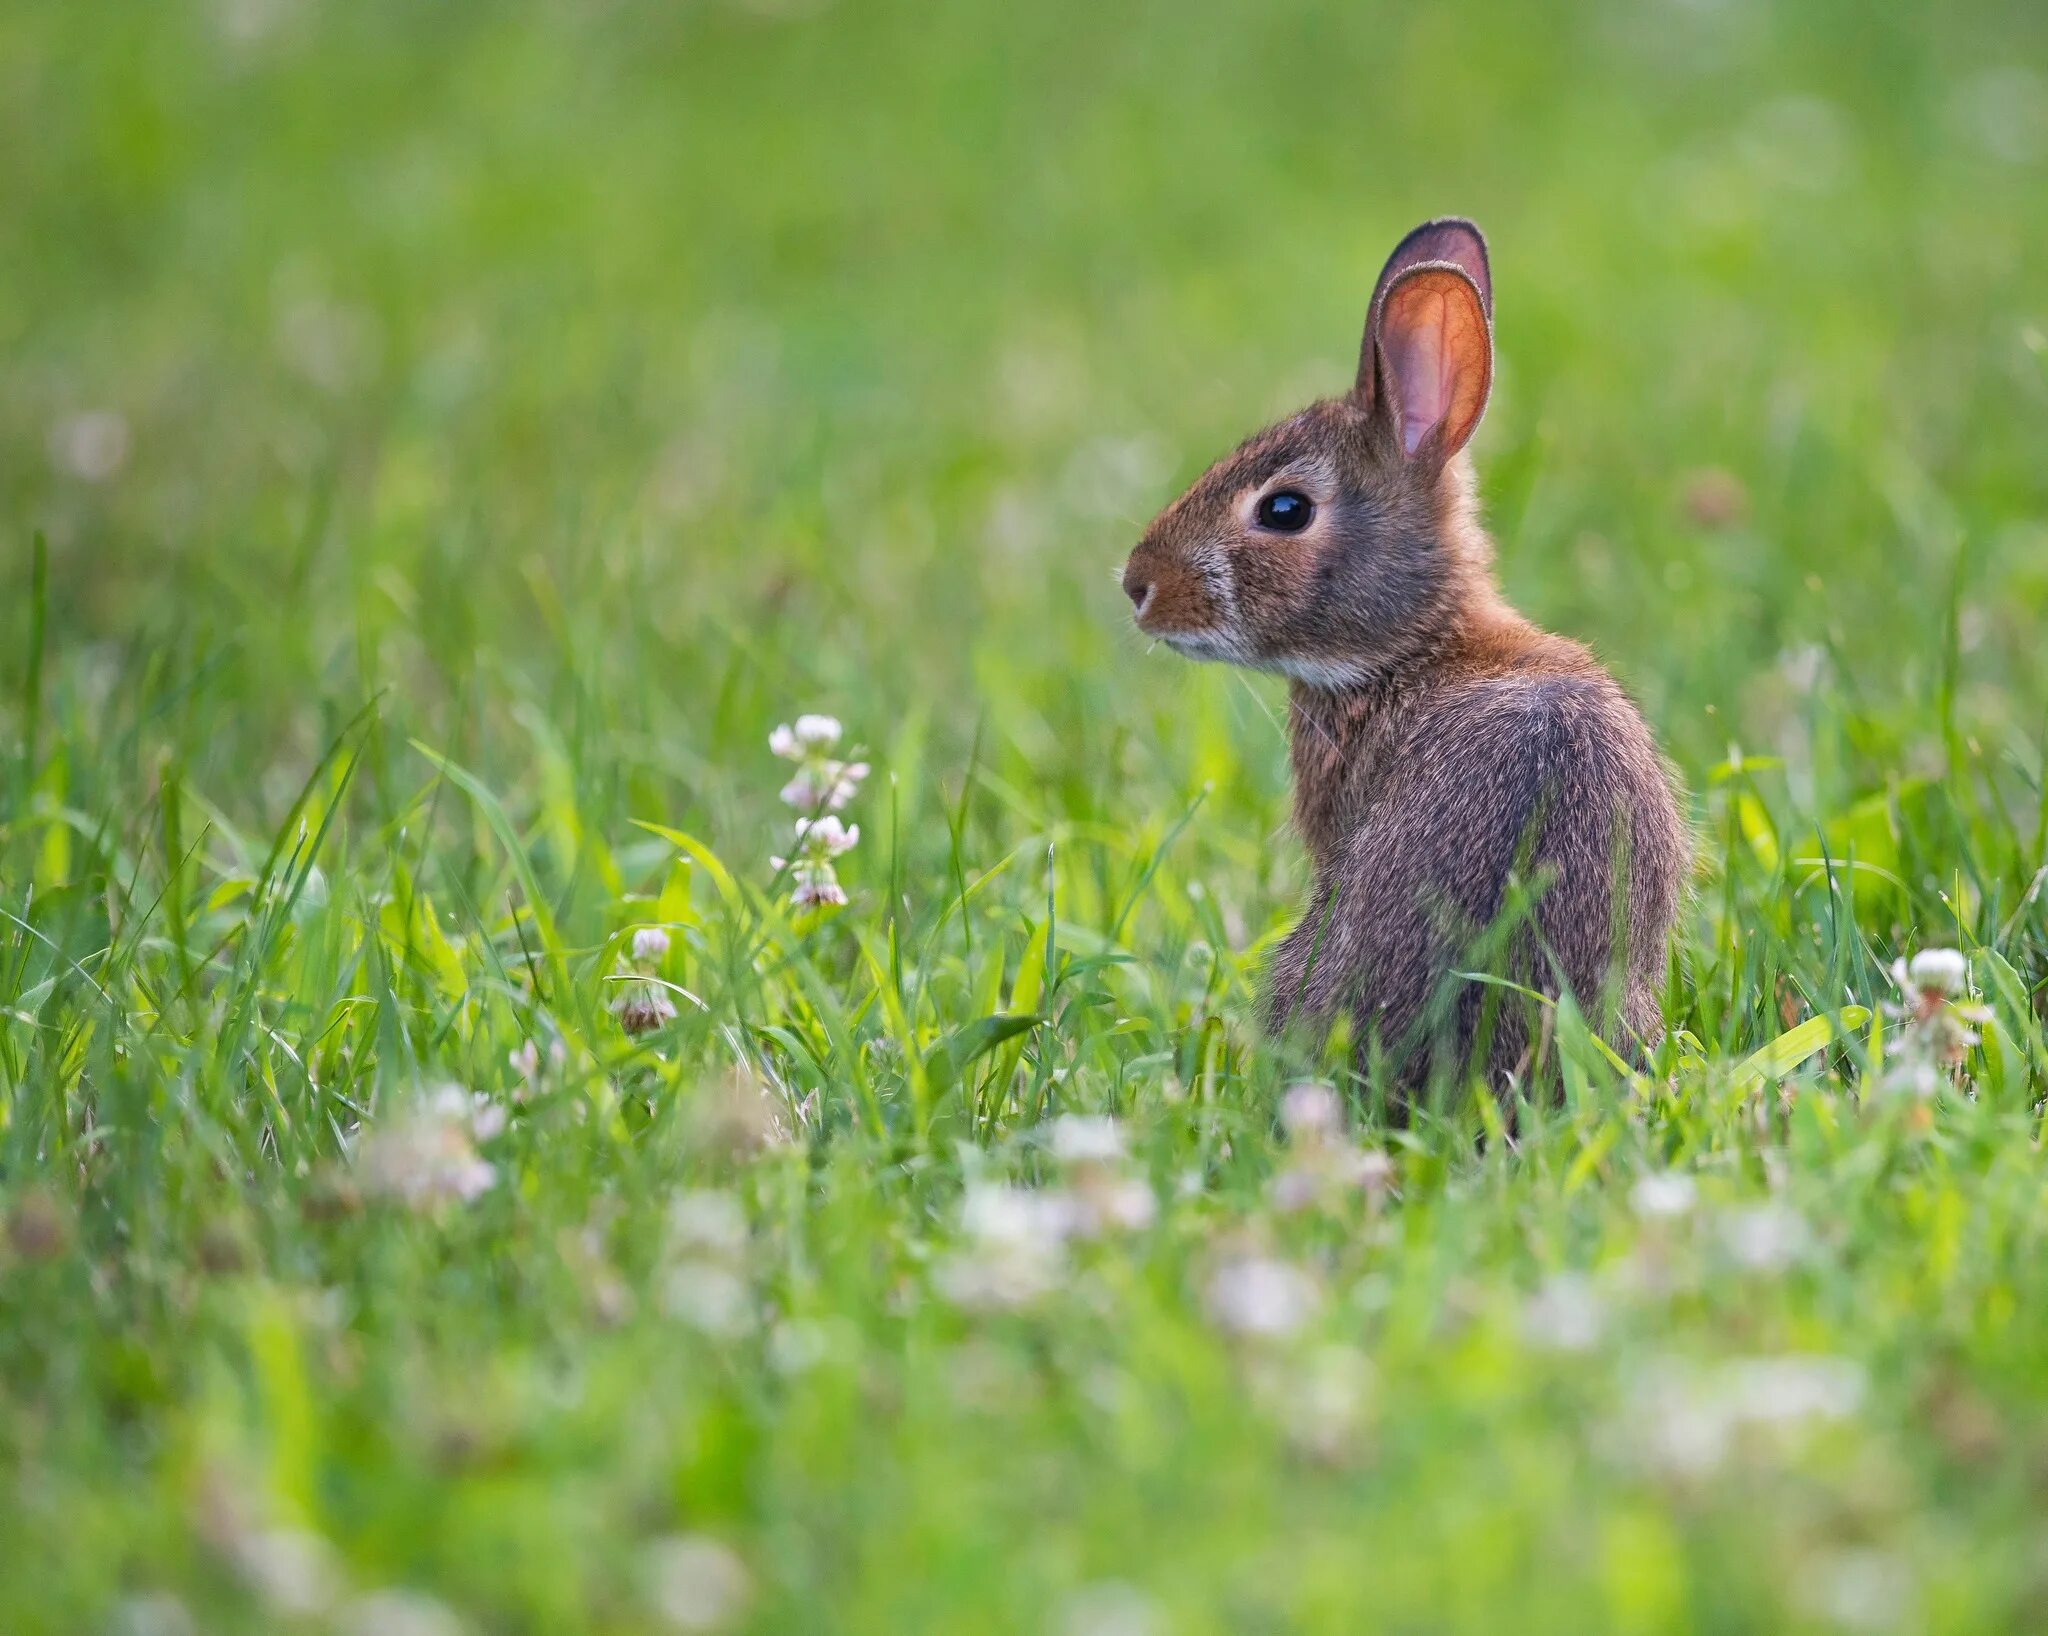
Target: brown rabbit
[(1442, 745)]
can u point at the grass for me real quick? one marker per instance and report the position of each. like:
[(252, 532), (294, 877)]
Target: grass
[(441, 443)]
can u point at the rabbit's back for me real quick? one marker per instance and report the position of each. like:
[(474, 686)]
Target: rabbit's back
[(1542, 774)]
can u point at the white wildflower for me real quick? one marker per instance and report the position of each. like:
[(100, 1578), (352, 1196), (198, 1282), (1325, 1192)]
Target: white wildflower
[(1783, 1391), (1319, 1402), (333, 345), (1688, 1421), (527, 1062), (1565, 1315), (1664, 1195), (154, 1613), (291, 1571), (91, 446), (1766, 1238), (696, 1582), (707, 1221), (1311, 1112), (397, 1613), (1940, 1021), (643, 1007), (798, 1345), (650, 945), (708, 1297), (1945, 972), (817, 732), (1859, 1589), (1100, 1197), (825, 837), (818, 842), (825, 784), (1087, 1139), (1261, 1296), (487, 1119), (813, 891), (1016, 1249), (821, 783), (1102, 1201), (1322, 1165), (423, 1153), (1111, 1608)]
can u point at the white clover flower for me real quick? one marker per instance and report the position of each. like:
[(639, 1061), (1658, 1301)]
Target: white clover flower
[(828, 784), (154, 1613), (91, 446), (1311, 1112), (708, 1297), (821, 784), (1320, 1401), (999, 1214), (811, 892), (1102, 1201), (696, 1582), (1322, 1171), (1261, 1297), (1111, 1608), (818, 732), (1858, 1589), (708, 1220), (1565, 1315), (1940, 1022), (643, 1007), (1945, 972), (1372, 1169), (650, 945), (1664, 1195), (1687, 1420), (526, 1061), (1766, 1238), (290, 1570), (1779, 1391), (814, 882), (397, 1613), (1914, 1075), (826, 837), (487, 1119), (1087, 1139), (1016, 1252), (423, 1154)]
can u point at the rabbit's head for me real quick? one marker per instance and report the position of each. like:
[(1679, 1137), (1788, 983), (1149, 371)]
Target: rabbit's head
[(1332, 545)]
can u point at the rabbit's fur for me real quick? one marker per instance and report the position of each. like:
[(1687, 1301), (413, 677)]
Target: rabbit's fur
[(1443, 747)]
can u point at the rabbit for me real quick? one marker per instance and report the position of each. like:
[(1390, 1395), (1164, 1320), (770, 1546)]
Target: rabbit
[(1442, 746)]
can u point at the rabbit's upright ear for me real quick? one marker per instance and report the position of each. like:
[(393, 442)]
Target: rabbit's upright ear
[(1429, 359), (1448, 238)]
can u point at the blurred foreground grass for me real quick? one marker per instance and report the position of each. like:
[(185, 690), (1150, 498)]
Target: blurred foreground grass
[(460, 434)]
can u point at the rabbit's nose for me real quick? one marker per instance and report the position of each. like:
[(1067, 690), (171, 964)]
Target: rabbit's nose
[(1139, 589)]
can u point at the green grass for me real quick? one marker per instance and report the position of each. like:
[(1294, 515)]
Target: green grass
[(522, 409)]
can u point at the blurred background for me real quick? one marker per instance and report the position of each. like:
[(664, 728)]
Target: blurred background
[(577, 389), (675, 366)]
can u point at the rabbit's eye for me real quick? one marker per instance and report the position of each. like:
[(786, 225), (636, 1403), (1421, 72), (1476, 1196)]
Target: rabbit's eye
[(1285, 511)]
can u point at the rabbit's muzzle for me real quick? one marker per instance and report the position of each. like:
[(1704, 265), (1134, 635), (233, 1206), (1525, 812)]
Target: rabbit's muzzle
[(1181, 593)]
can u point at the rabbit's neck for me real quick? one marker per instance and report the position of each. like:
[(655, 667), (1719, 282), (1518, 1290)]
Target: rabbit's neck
[(1344, 742)]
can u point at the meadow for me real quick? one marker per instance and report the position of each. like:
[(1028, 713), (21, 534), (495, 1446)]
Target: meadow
[(452, 1180)]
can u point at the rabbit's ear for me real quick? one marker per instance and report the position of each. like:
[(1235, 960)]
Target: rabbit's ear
[(1432, 363), (1448, 238)]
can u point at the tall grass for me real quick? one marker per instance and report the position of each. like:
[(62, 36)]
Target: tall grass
[(439, 445)]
